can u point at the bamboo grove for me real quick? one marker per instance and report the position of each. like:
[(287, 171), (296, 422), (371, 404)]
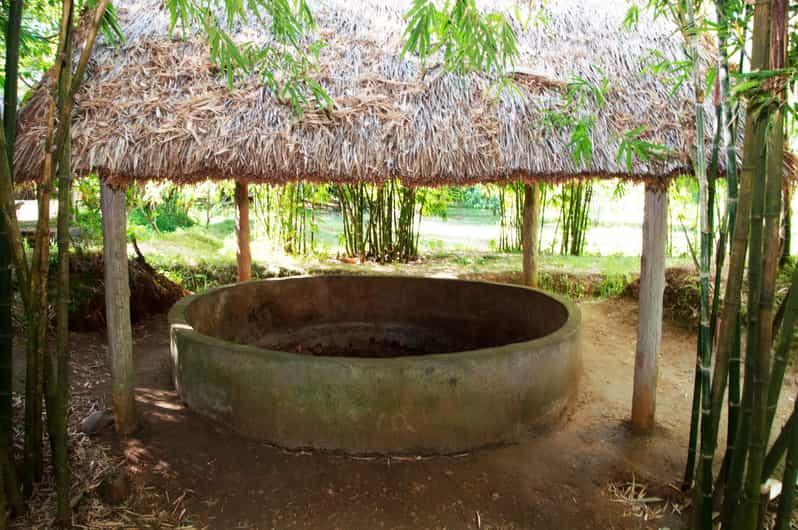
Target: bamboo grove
[(740, 359), (380, 222), (47, 367)]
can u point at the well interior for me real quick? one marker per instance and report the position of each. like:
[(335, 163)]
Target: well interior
[(376, 316)]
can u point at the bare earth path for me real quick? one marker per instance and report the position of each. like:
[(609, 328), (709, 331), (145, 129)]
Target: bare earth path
[(557, 480)]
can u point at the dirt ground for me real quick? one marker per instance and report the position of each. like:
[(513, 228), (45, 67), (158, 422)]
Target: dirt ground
[(561, 479)]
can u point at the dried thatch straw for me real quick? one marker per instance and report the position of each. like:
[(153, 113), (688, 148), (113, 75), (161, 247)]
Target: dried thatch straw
[(637, 503), (156, 108), (92, 462)]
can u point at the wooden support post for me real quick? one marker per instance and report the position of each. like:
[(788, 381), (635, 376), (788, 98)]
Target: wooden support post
[(117, 306), (242, 231), (531, 233), (649, 325)]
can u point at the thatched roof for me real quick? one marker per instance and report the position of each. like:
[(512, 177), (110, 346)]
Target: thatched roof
[(156, 108)]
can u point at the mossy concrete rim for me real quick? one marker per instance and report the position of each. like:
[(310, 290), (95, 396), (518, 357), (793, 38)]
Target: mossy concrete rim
[(426, 404)]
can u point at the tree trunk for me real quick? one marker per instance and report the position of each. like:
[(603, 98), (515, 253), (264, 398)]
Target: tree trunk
[(649, 326), (531, 233), (242, 232), (117, 306)]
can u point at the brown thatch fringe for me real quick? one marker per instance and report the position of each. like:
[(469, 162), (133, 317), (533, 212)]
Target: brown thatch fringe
[(156, 108)]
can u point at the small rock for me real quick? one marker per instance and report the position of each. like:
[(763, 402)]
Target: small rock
[(96, 422), (114, 489)]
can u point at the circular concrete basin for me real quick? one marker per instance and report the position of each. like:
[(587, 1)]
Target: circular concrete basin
[(375, 364)]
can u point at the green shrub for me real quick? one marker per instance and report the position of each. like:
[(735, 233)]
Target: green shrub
[(164, 218)]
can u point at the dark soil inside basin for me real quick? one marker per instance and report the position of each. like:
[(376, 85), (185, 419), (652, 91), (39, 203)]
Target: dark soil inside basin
[(366, 339)]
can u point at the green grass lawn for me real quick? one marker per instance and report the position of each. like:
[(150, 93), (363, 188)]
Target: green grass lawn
[(201, 256)]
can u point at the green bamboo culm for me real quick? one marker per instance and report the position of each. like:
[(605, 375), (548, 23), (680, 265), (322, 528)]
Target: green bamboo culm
[(781, 355), (10, 88), (695, 416), (787, 501), (780, 358), (775, 158), (768, 228), (714, 169), (735, 398), (704, 479), (32, 468), (778, 448), (57, 366), (728, 334), (745, 440), (9, 128), (727, 338), (9, 478), (750, 194), (37, 308), (381, 222), (575, 215)]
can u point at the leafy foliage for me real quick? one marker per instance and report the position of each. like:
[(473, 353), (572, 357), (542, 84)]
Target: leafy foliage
[(572, 115), (285, 65), (673, 73), (38, 38), (633, 146), (159, 206), (468, 39)]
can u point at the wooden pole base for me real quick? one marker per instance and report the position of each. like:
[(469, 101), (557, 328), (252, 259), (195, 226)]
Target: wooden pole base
[(649, 325)]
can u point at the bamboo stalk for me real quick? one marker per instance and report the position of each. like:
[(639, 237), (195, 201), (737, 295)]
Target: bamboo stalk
[(9, 484), (781, 352), (770, 211), (735, 396), (3, 501), (10, 89), (59, 366), (38, 314), (778, 448), (787, 502), (739, 245), (745, 441), (727, 361), (9, 212), (695, 417), (704, 482), (752, 168), (726, 133), (786, 226), (775, 156)]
